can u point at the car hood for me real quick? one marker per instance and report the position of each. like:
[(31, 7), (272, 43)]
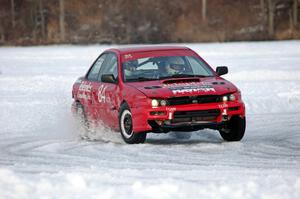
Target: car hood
[(184, 87)]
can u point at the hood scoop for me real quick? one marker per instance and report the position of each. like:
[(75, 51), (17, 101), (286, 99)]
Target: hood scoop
[(216, 83), (152, 87), (182, 80)]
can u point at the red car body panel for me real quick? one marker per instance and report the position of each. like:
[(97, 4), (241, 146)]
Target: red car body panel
[(102, 101)]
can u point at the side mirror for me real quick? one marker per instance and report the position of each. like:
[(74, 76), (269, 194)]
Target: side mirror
[(222, 70), (108, 78)]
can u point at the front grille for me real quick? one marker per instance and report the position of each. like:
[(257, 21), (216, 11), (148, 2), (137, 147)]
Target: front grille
[(202, 113), (195, 116), (194, 100)]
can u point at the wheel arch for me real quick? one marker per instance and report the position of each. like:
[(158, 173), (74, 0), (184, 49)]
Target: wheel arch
[(123, 102)]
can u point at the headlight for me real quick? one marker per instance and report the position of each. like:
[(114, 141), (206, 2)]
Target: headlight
[(154, 103), (230, 97), (225, 98), (159, 102)]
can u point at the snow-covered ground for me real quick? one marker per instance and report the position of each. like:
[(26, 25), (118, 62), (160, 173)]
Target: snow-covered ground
[(41, 155)]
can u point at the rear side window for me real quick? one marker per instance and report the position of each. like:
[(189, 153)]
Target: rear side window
[(94, 72)]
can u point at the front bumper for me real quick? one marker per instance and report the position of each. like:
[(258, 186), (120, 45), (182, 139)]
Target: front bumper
[(185, 117)]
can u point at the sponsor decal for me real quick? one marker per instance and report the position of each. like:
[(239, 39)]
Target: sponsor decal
[(128, 56), (224, 112), (85, 87), (83, 96), (185, 84), (192, 89), (171, 109), (170, 115), (101, 94), (223, 105), (182, 88), (171, 112), (84, 91), (107, 99)]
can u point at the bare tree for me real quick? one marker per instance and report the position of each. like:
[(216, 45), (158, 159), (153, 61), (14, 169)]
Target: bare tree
[(295, 12), (262, 5), (62, 19), (264, 13), (1, 34), (41, 12), (34, 19), (291, 22), (271, 12), (204, 9), (13, 20)]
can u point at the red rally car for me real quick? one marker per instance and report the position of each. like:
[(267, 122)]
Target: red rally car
[(158, 89)]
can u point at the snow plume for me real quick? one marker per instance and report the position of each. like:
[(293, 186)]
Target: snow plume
[(97, 132)]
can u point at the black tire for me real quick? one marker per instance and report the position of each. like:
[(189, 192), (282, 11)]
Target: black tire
[(83, 121), (80, 112), (235, 129), (126, 127)]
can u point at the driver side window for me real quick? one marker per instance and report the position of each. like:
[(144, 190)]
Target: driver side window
[(94, 71), (110, 66)]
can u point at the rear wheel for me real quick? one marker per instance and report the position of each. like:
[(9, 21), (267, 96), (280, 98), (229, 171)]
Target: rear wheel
[(80, 114), (84, 124), (126, 127), (235, 129)]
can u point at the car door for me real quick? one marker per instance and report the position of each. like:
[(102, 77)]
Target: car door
[(106, 93), (90, 84)]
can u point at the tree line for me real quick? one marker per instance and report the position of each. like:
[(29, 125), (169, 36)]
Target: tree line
[(30, 22)]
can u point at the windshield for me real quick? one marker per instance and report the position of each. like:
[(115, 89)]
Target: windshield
[(155, 68)]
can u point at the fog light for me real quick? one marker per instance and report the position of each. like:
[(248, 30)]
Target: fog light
[(154, 103), (225, 99)]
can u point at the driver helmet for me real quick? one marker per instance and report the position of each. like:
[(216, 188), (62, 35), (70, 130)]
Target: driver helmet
[(175, 65)]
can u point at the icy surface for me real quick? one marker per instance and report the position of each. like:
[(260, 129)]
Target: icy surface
[(41, 155)]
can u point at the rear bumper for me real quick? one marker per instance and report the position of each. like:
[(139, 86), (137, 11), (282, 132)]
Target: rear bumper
[(185, 117)]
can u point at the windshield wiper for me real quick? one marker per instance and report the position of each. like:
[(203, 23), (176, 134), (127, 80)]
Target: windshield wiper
[(182, 75), (140, 79)]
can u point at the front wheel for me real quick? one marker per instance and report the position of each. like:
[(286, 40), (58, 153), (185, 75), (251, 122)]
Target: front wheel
[(235, 129), (126, 127)]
